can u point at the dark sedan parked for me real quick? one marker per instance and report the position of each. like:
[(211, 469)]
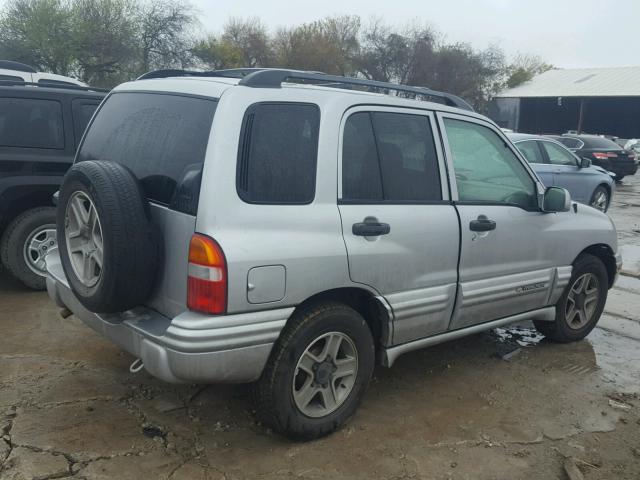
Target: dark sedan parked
[(602, 152)]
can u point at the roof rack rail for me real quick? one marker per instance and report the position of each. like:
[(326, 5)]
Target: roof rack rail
[(18, 83), (227, 73), (273, 78), (19, 67)]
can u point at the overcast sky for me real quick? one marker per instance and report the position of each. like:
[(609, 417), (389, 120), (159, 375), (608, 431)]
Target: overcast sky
[(566, 33)]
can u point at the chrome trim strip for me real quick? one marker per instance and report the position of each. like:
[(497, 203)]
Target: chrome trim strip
[(390, 355)]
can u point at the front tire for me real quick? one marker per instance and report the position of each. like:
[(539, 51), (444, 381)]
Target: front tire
[(318, 372), (25, 243), (581, 304)]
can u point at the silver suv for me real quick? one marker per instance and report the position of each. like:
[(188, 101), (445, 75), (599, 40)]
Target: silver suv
[(293, 229)]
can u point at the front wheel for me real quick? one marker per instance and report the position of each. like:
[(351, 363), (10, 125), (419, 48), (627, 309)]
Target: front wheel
[(600, 199), (582, 303), (318, 372)]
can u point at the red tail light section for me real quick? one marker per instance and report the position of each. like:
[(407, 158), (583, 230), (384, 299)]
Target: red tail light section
[(207, 281), (604, 155)]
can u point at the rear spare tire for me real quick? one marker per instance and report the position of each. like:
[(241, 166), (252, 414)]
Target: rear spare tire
[(107, 244)]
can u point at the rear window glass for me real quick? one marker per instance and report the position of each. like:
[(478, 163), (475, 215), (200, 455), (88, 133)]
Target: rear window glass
[(600, 142), (31, 123), (161, 138), (278, 153)]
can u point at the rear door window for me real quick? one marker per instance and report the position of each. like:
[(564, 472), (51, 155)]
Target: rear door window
[(278, 152), (162, 138), (389, 157), (531, 151), (31, 123)]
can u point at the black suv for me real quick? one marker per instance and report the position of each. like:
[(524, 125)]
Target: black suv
[(40, 128), (602, 152)]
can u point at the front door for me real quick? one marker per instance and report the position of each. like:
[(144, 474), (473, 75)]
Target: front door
[(566, 172), (399, 227), (506, 258)]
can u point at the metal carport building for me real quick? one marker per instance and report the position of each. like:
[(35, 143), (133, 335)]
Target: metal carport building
[(590, 100)]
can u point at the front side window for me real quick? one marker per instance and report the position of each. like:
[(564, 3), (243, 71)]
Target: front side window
[(161, 138), (278, 152), (389, 157), (558, 155), (486, 169), (31, 123), (531, 151)]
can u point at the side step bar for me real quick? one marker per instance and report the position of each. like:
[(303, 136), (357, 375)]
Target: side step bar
[(390, 355)]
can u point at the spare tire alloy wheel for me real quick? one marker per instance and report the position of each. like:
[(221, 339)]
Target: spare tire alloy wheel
[(38, 244), (325, 374), (83, 237)]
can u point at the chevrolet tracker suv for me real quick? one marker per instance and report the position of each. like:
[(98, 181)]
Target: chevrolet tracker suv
[(41, 125), (291, 229)]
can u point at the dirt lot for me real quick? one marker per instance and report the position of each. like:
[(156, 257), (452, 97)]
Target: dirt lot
[(500, 405)]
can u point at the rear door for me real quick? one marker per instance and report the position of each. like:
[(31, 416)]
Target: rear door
[(399, 227), (566, 172), (507, 255)]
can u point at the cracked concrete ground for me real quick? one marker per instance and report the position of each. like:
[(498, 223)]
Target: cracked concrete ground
[(476, 408)]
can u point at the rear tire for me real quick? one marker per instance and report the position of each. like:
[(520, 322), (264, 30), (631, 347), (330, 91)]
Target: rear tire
[(26, 241), (581, 304), (600, 199), (287, 382)]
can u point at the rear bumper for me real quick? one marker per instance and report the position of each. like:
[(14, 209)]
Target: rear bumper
[(624, 169), (190, 348)]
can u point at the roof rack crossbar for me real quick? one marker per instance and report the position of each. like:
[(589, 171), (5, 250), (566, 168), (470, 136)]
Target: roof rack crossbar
[(18, 83), (273, 78), (17, 66)]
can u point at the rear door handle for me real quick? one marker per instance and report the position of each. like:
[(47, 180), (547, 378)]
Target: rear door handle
[(482, 224), (370, 229)]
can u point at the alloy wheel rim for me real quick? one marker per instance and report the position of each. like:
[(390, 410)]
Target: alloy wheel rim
[(600, 202), (325, 374), (39, 243), (582, 301), (83, 236)]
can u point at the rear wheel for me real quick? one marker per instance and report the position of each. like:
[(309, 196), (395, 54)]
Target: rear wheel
[(26, 242), (600, 199), (582, 303), (318, 372)]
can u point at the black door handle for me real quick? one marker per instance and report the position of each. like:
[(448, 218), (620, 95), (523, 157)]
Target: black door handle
[(482, 224), (370, 229)]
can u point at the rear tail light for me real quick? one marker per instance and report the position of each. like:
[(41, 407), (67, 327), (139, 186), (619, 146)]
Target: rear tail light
[(604, 155), (207, 280), (632, 155)]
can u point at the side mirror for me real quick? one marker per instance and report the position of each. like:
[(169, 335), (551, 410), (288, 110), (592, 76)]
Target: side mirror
[(556, 199), (585, 162)]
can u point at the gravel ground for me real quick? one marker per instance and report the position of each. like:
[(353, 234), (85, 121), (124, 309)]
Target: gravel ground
[(500, 405)]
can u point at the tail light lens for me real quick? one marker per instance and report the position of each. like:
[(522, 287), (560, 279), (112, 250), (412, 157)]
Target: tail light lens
[(632, 155), (207, 280), (604, 155)]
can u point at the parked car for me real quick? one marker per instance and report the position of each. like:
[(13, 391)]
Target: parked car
[(19, 72), (40, 128), (557, 165), (277, 229), (602, 152)]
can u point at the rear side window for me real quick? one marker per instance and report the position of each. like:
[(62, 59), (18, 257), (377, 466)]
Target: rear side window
[(278, 152), (389, 157), (569, 142), (11, 78), (31, 123), (161, 138)]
